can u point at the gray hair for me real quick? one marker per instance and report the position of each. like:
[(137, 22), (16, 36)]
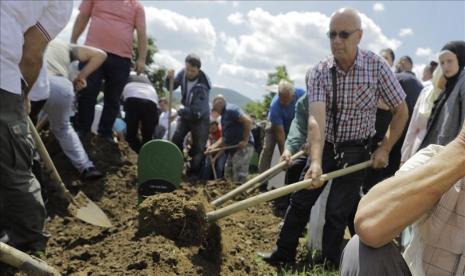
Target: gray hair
[(285, 86)]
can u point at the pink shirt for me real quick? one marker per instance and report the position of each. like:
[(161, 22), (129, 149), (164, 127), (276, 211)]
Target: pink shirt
[(112, 24)]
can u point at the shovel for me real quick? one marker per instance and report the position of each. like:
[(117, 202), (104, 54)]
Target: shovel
[(80, 206), (220, 149), (256, 181), (24, 262), (255, 200)]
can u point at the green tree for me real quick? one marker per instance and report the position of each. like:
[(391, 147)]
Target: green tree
[(278, 75), (155, 74)]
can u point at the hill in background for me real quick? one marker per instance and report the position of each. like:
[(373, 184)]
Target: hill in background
[(231, 96)]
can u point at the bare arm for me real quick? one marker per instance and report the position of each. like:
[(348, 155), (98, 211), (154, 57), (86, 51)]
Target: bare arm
[(395, 130), (247, 123), (33, 52), (93, 58), (399, 201), (280, 135), (316, 140), (79, 26), (142, 54)]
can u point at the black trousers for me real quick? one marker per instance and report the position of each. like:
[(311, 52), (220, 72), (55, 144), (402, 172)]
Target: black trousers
[(115, 72), (293, 174), (341, 201), (143, 113)]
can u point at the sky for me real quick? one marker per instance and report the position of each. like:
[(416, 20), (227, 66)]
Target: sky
[(240, 42)]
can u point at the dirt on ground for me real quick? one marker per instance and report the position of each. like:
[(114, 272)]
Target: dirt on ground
[(173, 237)]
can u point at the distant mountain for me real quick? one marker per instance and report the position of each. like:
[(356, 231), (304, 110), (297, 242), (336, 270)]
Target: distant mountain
[(231, 96)]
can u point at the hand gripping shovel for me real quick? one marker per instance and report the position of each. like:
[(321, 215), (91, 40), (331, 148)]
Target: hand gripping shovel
[(24, 262), (255, 200), (256, 181), (80, 206)]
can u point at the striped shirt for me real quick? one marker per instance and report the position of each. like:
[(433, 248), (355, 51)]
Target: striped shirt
[(358, 92)]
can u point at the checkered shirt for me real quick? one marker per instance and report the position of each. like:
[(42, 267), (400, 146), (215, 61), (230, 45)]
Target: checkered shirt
[(358, 92)]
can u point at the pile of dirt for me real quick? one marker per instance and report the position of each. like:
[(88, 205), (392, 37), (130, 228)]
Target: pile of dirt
[(174, 218), (173, 238)]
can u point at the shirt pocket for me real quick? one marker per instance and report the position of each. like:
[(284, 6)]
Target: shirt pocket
[(365, 98)]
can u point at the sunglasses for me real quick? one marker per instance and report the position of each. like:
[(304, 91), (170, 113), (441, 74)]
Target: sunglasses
[(343, 35)]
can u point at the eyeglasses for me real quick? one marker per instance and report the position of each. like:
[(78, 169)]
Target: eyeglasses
[(343, 35)]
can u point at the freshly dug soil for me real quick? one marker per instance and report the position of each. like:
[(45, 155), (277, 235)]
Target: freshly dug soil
[(173, 238), (174, 218)]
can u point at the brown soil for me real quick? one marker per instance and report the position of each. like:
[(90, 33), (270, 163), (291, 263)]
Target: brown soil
[(173, 238)]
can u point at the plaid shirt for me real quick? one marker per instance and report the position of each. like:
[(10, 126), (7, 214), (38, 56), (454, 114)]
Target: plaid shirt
[(438, 237), (358, 92)]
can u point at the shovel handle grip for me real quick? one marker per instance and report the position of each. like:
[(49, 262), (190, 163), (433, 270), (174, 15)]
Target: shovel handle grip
[(50, 167), (255, 200), (271, 172)]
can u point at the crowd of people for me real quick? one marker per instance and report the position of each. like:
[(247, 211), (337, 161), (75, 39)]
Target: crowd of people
[(357, 105)]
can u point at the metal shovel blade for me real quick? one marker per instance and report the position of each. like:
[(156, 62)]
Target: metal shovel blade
[(85, 209)]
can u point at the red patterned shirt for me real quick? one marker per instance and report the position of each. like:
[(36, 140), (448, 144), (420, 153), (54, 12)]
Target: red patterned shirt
[(358, 92)]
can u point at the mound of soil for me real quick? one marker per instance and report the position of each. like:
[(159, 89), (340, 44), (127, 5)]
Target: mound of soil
[(173, 238)]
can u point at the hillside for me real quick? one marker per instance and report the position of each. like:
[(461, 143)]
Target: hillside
[(232, 96)]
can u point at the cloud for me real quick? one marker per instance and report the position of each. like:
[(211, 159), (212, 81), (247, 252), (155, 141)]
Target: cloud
[(295, 39), (418, 70), (378, 7), (405, 32), (181, 34), (236, 18), (424, 52)]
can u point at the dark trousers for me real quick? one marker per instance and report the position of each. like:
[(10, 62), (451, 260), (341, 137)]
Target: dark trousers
[(115, 72), (199, 132), (359, 259), (140, 113), (341, 201), (293, 174)]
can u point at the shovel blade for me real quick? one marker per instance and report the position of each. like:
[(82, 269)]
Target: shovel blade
[(86, 210)]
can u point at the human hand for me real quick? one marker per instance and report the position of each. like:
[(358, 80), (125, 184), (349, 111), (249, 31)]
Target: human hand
[(380, 158), (79, 83), (170, 74), (314, 173), (140, 66), (286, 156), (242, 144)]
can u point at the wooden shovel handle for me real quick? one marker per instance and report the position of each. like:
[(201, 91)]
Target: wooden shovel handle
[(220, 149), (255, 200), (24, 262), (170, 104), (271, 172), (50, 167)]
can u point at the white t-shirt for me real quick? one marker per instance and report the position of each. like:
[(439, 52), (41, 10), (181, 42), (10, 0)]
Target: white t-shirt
[(41, 88), (16, 17), (140, 90)]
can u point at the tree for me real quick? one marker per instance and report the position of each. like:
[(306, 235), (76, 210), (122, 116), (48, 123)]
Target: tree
[(280, 74), (155, 73)]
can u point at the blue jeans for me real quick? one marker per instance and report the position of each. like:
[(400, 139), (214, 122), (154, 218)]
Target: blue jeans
[(115, 72), (199, 132)]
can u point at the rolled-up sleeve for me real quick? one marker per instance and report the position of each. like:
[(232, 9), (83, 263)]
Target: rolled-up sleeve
[(54, 18), (315, 89), (390, 90)]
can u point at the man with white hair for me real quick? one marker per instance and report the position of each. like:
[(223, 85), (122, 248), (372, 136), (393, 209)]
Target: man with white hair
[(282, 111), (343, 92)]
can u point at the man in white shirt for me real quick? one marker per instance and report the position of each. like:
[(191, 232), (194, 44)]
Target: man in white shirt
[(26, 29), (141, 107)]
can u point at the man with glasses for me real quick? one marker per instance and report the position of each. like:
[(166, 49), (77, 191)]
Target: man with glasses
[(343, 93)]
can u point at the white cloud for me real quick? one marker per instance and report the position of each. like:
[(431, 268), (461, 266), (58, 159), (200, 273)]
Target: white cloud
[(235, 4), (418, 70), (180, 34), (236, 18), (378, 7), (167, 59), (295, 39), (424, 52), (405, 32)]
